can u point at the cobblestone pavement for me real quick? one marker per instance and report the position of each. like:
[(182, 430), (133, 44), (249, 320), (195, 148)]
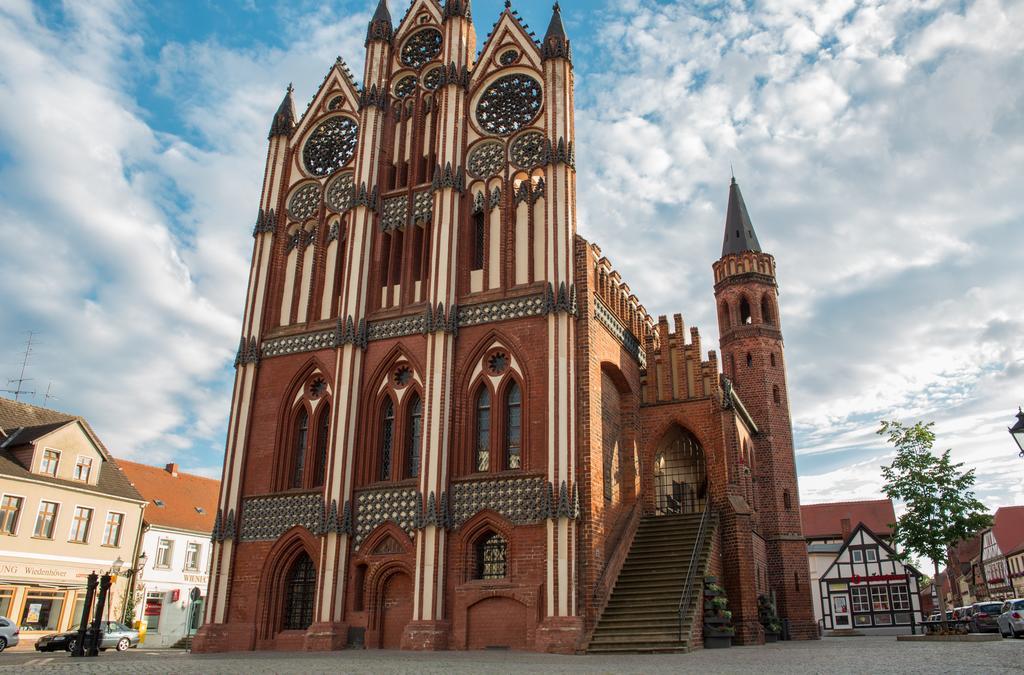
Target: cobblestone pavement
[(861, 655)]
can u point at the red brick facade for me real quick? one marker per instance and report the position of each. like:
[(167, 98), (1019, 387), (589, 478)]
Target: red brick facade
[(450, 412)]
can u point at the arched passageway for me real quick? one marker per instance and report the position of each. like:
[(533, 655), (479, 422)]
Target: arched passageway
[(680, 474)]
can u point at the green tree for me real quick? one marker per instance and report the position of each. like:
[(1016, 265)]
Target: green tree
[(941, 508)]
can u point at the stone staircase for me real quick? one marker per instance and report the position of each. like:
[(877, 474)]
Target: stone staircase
[(642, 614)]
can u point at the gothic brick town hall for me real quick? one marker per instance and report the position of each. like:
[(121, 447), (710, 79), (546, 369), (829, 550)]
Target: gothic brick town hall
[(453, 426)]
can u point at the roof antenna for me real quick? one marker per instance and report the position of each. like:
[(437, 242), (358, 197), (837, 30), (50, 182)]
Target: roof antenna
[(732, 173), (48, 396), (21, 379)]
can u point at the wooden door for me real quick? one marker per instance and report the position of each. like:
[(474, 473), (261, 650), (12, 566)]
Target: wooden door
[(395, 609)]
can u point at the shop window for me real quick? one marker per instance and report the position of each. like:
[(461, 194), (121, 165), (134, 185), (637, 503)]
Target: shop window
[(860, 600), (491, 556), (6, 599), (154, 606), (301, 593), (80, 525), (902, 618), (299, 456), (42, 610), (883, 619), (10, 513), (483, 430), (83, 467), (513, 427), (76, 612), (192, 551), (900, 598), (387, 438), (164, 554), (51, 458), (112, 529), (879, 599), (862, 620)]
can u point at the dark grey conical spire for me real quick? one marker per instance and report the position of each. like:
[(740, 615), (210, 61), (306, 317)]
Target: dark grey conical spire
[(458, 8), (556, 43), (284, 118), (380, 27), (739, 232)]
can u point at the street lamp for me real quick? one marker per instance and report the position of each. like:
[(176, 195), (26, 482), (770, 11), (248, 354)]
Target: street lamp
[(1017, 431)]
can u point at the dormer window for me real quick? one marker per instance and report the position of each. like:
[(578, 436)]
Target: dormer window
[(83, 468), (51, 458), (159, 502), (200, 509)]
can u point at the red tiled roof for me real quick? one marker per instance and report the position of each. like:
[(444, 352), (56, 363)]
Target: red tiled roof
[(825, 520), (180, 495), (1008, 527)]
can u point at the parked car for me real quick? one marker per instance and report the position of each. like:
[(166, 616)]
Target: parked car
[(115, 636), (985, 617), (1011, 619), (8, 633)]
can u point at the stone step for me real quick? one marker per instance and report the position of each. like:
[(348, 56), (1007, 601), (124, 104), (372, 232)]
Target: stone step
[(634, 636), (640, 648)]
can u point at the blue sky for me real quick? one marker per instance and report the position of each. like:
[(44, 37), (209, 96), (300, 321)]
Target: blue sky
[(879, 146)]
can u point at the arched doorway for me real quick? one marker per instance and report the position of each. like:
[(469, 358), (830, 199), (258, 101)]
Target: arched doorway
[(680, 474), (395, 609)]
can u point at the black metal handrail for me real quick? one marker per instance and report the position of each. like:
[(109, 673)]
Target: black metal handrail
[(687, 599)]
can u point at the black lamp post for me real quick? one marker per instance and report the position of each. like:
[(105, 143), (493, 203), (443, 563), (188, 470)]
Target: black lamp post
[(1017, 431)]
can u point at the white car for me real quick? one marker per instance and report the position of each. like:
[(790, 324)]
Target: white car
[(1011, 620), (8, 633)]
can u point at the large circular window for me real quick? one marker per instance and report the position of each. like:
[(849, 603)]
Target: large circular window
[(509, 104), (330, 146), (422, 47)]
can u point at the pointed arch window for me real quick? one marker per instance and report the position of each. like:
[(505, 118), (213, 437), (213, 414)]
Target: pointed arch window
[(483, 430), (513, 427), (387, 438), (299, 456), (478, 240), (766, 310), (323, 433), (414, 437), (491, 556), (745, 316), (300, 587)]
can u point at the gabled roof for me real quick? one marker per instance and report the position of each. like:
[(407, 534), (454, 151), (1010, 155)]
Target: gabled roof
[(739, 231), (180, 495), (25, 435), (966, 551), (892, 555), (825, 521), (36, 422), (1008, 528)]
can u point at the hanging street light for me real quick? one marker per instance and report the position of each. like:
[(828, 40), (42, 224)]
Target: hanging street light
[(1017, 431)]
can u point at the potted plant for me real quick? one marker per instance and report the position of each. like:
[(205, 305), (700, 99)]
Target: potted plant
[(718, 629), (769, 619)]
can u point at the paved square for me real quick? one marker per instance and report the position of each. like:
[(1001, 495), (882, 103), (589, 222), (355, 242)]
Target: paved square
[(863, 655)]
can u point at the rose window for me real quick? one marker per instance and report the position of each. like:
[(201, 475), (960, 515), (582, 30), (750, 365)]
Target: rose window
[(317, 388), (509, 57), (403, 376), (432, 80), (405, 86), (486, 159), (528, 150), (336, 103), (497, 363), (509, 104), (304, 202), (330, 146), (421, 48), (339, 192)]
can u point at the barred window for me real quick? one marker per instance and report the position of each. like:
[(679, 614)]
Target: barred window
[(491, 557), (299, 456), (301, 589), (483, 430), (513, 427), (414, 434), (900, 597), (861, 603), (387, 439)]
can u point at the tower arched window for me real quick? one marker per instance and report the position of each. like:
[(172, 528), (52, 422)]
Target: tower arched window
[(786, 501), (772, 359), (745, 316), (723, 315), (483, 429), (750, 360), (776, 397), (300, 587), (513, 427), (766, 310), (478, 240), (323, 434), (387, 438), (491, 556), (414, 436), (299, 449)]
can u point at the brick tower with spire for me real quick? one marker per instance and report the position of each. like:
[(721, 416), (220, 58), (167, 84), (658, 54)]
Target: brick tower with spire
[(751, 342)]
